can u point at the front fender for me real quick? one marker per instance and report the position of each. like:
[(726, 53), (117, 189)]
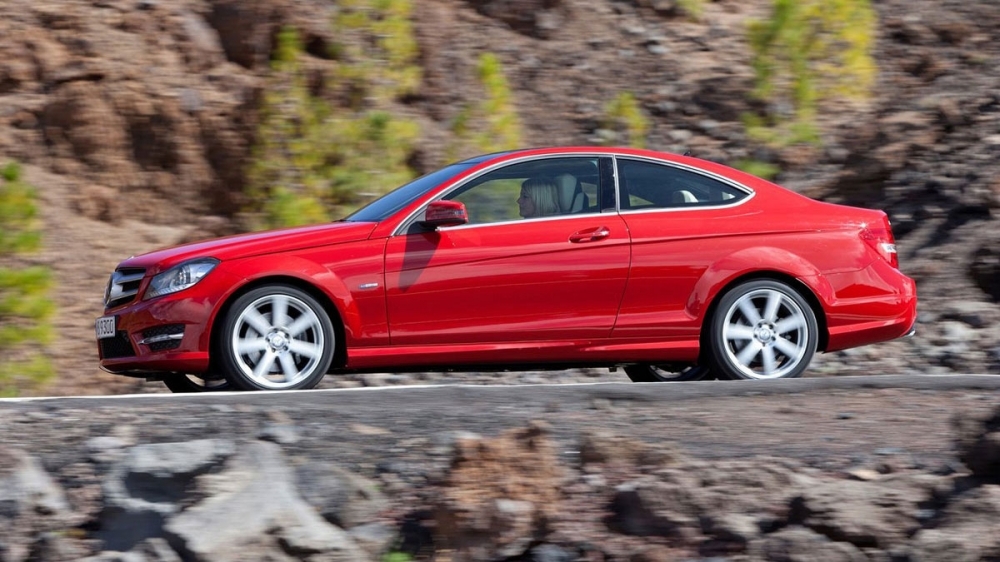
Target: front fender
[(253, 270)]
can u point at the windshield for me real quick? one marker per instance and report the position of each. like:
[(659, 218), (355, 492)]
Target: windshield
[(385, 206)]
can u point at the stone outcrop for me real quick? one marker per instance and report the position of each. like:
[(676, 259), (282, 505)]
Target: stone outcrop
[(514, 497)]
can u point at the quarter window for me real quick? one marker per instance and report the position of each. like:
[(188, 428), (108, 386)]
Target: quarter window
[(646, 185)]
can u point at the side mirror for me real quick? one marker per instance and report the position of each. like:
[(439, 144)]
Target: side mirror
[(445, 213)]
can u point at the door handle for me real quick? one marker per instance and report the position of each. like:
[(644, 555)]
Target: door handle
[(590, 235)]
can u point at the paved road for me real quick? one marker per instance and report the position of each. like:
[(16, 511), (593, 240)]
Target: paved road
[(829, 423), (450, 398)]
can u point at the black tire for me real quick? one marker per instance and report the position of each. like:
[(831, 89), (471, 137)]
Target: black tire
[(762, 329), (276, 337), (648, 372), (195, 383)]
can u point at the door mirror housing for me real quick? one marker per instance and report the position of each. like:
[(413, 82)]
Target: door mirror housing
[(445, 213)]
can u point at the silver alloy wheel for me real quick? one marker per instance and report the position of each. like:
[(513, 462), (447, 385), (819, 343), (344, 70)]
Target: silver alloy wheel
[(278, 341), (765, 334)]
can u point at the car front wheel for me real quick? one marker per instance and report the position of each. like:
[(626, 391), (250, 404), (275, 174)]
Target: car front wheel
[(762, 329), (276, 337)]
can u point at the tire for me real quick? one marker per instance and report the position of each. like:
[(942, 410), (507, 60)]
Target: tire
[(276, 337), (762, 329), (194, 383), (648, 372)]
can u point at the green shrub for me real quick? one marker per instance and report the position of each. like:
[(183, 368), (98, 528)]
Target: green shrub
[(314, 158), (624, 116), (25, 306), (692, 8), (758, 168), (492, 124), (379, 55), (806, 51), (503, 131)]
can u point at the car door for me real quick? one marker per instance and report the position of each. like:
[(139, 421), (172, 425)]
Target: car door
[(503, 278), (680, 221)]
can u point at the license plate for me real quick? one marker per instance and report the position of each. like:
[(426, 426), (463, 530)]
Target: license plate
[(105, 327)]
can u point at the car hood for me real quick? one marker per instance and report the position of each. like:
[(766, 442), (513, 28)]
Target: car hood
[(254, 244)]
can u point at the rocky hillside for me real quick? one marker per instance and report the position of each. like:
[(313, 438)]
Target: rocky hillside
[(136, 121)]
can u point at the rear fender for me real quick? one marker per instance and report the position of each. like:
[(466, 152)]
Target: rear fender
[(755, 262)]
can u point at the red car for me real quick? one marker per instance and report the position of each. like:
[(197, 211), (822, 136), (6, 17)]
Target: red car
[(668, 266)]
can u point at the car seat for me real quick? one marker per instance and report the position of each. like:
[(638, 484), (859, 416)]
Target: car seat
[(572, 199)]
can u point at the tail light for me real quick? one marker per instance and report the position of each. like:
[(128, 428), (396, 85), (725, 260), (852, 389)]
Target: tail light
[(881, 240)]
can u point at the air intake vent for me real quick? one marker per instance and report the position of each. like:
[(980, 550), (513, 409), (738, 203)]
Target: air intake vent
[(116, 347)]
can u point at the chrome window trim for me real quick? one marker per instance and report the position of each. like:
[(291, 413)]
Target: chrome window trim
[(521, 221), (411, 218), (751, 193)]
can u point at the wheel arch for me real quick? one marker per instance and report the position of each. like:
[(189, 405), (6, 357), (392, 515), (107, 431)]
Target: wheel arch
[(336, 318), (802, 288)]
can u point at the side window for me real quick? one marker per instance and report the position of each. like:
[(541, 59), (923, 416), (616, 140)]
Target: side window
[(533, 189), (646, 185)]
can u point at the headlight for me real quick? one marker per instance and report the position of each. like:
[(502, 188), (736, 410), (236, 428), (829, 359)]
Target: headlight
[(180, 277)]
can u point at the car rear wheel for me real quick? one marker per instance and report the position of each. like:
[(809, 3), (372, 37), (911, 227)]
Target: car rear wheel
[(667, 372), (276, 337), (195, 383), (762, 329)]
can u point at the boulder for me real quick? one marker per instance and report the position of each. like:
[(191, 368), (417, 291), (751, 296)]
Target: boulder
[(499, 494), (31, 504), (977, 439), (252, 506)]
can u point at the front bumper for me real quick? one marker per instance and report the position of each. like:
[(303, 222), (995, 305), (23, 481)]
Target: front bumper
[(166, 334)]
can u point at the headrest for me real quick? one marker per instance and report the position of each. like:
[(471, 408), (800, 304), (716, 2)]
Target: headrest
[(566, 184)]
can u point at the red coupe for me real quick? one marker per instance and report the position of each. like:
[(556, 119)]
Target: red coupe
[(667, 266)]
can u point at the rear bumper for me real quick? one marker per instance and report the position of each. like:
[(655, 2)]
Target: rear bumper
[(874, 305)]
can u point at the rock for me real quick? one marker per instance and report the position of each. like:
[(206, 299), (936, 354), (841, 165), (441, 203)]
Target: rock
[(535, 18), (149, 484), (551, 553), (252, 501), (601, 447), (969, 312), (963, 530), (499, 494), (866, 514), (984, 270), (31, 505), (639, 510), (341, 497), (99, 203), (282, 434), (29, 489), (374, 538), (977, 439), (797, 544)]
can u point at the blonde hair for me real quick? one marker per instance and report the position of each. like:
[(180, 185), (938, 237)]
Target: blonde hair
[(544, 193)]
